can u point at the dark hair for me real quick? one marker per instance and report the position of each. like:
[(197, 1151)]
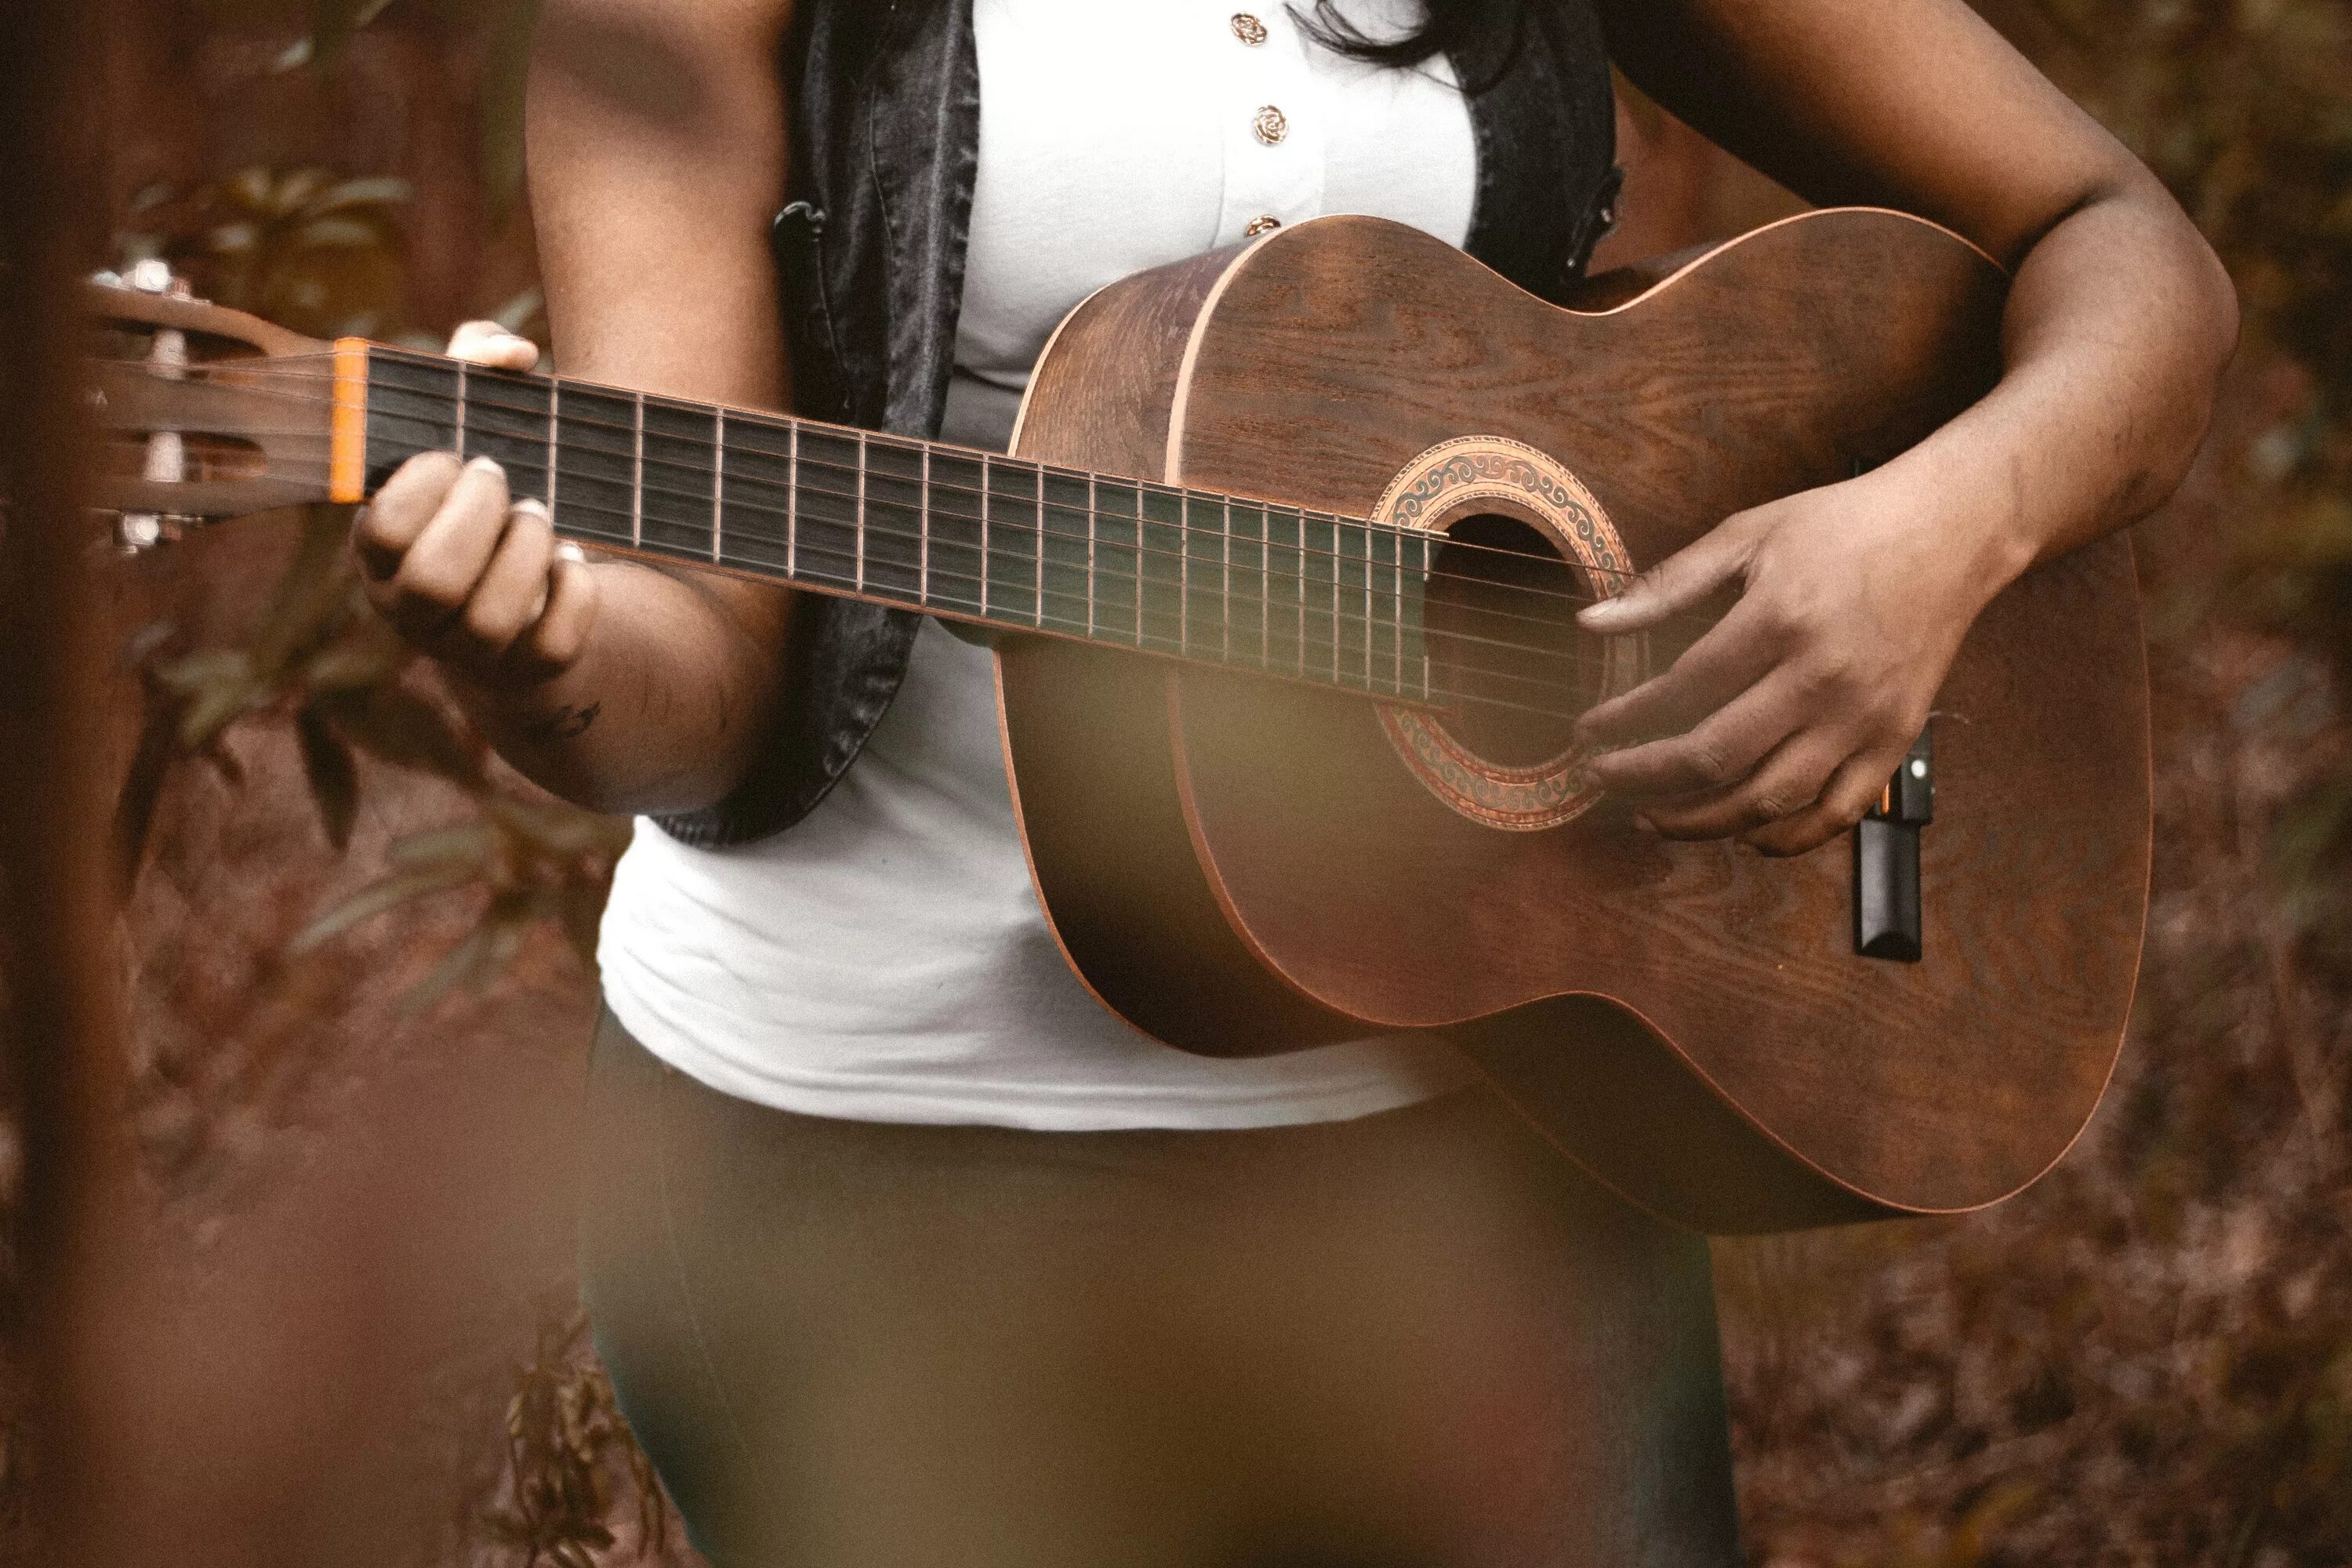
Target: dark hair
[(1448, 27)]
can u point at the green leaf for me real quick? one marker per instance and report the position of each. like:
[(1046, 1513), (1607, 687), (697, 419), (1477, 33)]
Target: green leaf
[(517, 312), (337, 232), (208, 713), (472, 843), (554, 828), (312, 596), (368, 654), (191, 673), (333, 23), (391, 723), (334, 781), (134, 808), (368, 191), (376, 898), (461, 965), (504, 68)]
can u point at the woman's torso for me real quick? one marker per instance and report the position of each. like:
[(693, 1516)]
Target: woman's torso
[(886, 959)]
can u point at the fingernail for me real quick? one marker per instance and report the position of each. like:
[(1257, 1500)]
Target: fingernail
[(567, 551), (487, 465), (1643, 824), (533, 505)]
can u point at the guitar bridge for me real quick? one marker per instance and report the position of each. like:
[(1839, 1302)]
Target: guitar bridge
[(1887, 860)]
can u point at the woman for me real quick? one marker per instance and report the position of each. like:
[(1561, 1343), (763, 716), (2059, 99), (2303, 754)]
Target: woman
[(899, 1248)]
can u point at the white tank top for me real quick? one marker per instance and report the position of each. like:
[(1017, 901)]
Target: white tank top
[(886, 959)]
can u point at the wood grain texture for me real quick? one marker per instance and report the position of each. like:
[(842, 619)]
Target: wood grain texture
[(1332, 354), (1087, 742)]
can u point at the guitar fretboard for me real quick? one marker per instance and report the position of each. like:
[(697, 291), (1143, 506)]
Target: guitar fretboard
[(923, 526)]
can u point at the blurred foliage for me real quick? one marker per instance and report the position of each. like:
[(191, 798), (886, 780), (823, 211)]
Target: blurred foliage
[(320, 657), (568, 1451), (323, 253), (300, 246), (2245, 109), (321, 662), (540, 862)]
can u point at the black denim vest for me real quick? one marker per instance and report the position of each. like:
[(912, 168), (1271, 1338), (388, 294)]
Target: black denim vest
[(870, 253)]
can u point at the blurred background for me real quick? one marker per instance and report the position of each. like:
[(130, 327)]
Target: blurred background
[(288, 1269)]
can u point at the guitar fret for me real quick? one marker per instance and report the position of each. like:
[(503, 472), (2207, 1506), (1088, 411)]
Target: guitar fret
[(555, 402), (1299, 663), (1339, 633), (1224, 622), (1193, 558), (1265, 589), (1428, 561), (1184, 580), (717, 481), (1395, 586)]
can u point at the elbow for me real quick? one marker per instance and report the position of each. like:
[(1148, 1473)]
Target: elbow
[(2217, 304)]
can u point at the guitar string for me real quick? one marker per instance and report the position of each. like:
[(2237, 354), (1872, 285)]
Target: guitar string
[(872, 440), (1267, 633), (1302, 551), (701, 500), (1700, 619), (1338, 619), (1262, 569)]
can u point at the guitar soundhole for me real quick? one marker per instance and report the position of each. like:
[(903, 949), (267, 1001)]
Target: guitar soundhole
[(1504, 642)]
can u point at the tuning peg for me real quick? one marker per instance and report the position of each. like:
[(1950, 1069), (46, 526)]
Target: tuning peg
[(153, 275), (137, 532)]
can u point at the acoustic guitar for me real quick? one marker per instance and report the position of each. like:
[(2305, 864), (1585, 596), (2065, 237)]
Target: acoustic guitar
[(1283, 571)]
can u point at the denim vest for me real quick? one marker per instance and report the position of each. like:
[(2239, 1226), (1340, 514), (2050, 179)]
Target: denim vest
[(870, 256)]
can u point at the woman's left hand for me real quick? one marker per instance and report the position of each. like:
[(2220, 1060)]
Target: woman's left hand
[(1781, 725)]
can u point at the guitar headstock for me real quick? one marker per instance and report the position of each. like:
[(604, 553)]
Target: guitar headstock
[(205, 413)]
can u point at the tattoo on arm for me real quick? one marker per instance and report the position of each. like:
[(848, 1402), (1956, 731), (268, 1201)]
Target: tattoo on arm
[(565, 723)]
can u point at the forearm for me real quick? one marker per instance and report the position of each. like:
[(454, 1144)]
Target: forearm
[(655, 149), (2118, 325), (660, 710)]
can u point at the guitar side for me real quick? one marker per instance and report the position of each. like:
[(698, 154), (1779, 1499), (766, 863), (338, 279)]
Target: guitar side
[(1689, 1021)]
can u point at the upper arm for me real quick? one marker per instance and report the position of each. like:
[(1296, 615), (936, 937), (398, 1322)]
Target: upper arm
[(656, 150), (657, 156), (1916, 104)]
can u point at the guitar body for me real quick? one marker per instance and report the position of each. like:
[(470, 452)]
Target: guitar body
[(1239, 865), (1395, 474)]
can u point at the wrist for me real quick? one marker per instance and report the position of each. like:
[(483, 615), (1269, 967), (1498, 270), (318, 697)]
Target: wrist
[(535, 709), (1976, 526)]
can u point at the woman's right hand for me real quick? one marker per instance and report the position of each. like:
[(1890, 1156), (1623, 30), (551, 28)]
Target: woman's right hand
[(468, 575)]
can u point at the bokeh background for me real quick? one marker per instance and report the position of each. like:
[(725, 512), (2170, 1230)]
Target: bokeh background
[(334, 1319)]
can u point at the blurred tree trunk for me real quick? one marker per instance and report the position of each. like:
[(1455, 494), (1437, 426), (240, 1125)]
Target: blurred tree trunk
[(55, 910)]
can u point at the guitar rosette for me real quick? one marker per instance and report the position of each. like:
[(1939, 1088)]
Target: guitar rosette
[(1487, 476)]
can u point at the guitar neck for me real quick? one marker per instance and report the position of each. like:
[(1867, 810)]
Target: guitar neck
[(918, 525)]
